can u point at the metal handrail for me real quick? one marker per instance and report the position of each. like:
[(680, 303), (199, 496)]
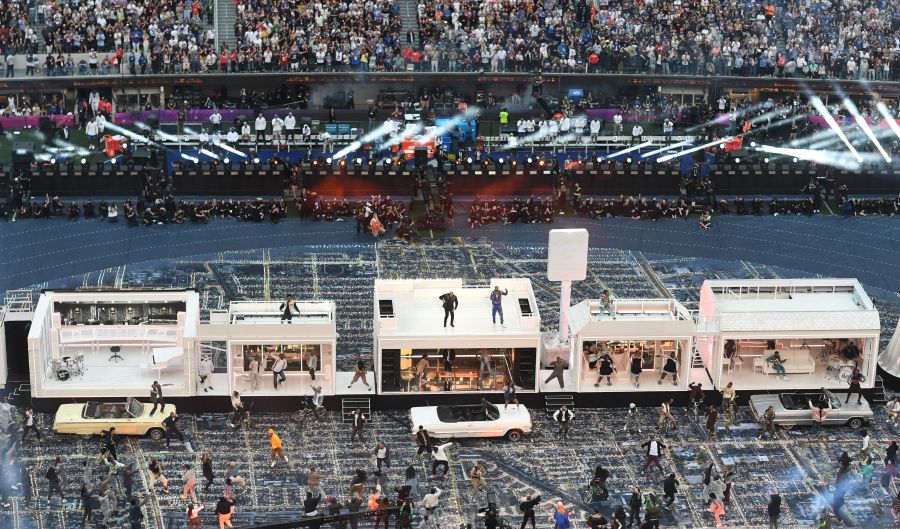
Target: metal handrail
[(18, 300)]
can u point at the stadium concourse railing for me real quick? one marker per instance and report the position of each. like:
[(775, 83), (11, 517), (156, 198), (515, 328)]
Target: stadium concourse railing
[(552, 80)]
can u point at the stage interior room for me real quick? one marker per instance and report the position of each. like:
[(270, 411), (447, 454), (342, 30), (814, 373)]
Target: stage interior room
[(90, 343), (253, 331), (607, 339), (416, 353), (821, 330)]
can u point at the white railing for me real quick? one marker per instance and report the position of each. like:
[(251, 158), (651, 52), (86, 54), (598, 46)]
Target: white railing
[(653, 307), (270, 311), (18, 301), (117, 333), (705, 323)]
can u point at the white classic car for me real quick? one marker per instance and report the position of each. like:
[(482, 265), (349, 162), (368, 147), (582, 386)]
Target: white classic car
[(472, 420), (130, 417)]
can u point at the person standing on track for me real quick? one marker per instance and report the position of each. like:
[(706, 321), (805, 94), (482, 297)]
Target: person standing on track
[(768, 422), (563, 416), (423, 440), (527, 508), (359, 422), (277, 447), (665, 413)]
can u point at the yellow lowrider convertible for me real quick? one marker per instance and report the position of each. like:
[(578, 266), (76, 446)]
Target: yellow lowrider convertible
[(130, 417)]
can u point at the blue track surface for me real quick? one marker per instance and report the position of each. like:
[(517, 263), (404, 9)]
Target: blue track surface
[(35, 251)]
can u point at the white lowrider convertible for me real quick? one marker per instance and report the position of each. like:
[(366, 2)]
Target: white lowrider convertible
[(472, 420), (130, 417)]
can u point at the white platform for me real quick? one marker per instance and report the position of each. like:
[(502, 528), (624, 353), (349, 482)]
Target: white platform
[(418, 311), (130, 376), (745, 378), (621, 382), (553, 385), (296, 383), (343, 378), (420, 316)]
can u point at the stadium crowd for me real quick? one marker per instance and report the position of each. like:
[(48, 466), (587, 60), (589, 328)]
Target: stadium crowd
[(789, 38)]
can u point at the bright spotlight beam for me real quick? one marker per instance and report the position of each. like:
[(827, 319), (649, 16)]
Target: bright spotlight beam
[(408, 132), (630, 149), (678, 154), (861, 121), (232, 150), (209, 153), (190, 158), (681, 143), (383, 130), (163, 135), (820, 107), (886, 114), (836, 159), (128, 133)]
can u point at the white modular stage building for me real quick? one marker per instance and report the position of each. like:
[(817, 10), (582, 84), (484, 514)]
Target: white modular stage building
[(113, 343), (254, 331), (651, 333), (416, 352), (821, 329)]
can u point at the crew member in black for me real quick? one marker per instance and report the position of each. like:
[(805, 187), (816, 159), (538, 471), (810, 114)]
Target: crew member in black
[(424, 441), (670, 487), (171, 424), (450, 304), (855, 380), (288, 308), (527, 508), (111, 440), (599, 490)]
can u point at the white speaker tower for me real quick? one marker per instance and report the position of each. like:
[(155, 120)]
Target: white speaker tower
[(567, 252)]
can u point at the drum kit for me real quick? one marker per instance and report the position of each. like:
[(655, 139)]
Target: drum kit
[(70, 367), (839, 369)]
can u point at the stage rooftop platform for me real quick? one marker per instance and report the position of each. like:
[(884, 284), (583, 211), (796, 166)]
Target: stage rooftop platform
[(406, 308)]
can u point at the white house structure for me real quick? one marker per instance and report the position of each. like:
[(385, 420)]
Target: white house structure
[(255, 331), (113, 343), (415, 351), (821, 329), (649, 331)]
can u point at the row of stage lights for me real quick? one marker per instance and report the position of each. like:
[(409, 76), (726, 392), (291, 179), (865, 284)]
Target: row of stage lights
[(387, 161)]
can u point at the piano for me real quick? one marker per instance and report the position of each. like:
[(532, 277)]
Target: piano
[(165, 357)]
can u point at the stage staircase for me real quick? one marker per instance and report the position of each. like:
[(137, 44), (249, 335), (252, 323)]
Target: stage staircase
[(349, 405), (19, 393), (553, 401), (878, 395)]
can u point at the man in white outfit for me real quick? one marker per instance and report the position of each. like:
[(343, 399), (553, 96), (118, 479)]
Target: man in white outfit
[(617, 124), (595, 129), (430, 504), (91, 130), (289, 123), (260, 127), (277, 127), (216, 120)]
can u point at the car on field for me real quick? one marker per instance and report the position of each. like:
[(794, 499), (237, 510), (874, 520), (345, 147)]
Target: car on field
[(792, 409), (129, 417), (456, 421)]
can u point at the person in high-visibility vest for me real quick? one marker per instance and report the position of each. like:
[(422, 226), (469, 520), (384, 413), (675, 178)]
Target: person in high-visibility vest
[(504, 119)]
